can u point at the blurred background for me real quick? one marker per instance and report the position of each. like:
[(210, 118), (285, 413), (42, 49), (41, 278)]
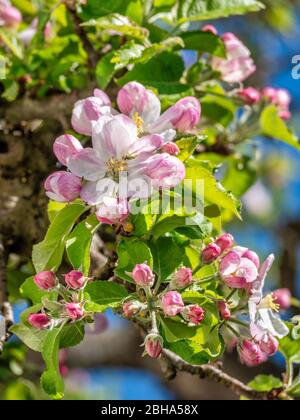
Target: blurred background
[(109, 365)]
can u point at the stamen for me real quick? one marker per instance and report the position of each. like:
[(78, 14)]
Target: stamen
[(139, 123), (116, 166), (269, 302)]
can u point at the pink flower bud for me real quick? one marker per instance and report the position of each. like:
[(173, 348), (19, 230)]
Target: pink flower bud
[(63, 186), (224, 310), (250, 95), (153, 345), (281, 98), (171, 148), (182, 278), (75, 279), (210, 28), (45, 280), (88, 110), (165, 171), (283, 297), (251, 354), (269, 345), (252, 256), (225, 242), (113, 211), (9, 16), (269, 93), (143, 275), (193, 314), (40, 321), (132, 308), (172, 303), (74, 311), (65, 147), (184, 115), (211, 253)]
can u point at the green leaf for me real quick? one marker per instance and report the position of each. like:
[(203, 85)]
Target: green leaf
[(71, 335), (187, 146), (239, 177), (175, 330), (51, 379), (131, 8), (164, 3), (132, 252), (193, 10), (214, 192), (290, 347), (47, 255), (265, 383), (79, 243), (106, 293), (11, 90), (273, 126), (142, 224), (11, 42), (32, 337), (167, 255), (105, 70), (162, 72), (204, 42), (54, 207), (119, 23)]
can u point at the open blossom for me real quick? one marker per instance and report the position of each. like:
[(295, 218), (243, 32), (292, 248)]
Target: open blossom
[(153, 345), (237, 270), (112, 211), (283, 298), (193, 314), (10, 16), (182, 278), (238, 65), (143, 105), (116, 151), (63, 186), (264, 319), (143, 275), (172, 303), (45, 280), (75, 279), (74, 311), (210, 253), (66, 146), (40, 321), (281, 98), (251, 354), (89, 110)]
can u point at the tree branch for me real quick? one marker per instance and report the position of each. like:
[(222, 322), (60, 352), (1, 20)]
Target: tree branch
[(5, 307), (176, 364)]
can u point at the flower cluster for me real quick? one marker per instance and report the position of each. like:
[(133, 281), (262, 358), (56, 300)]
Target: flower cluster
[(239, 268), (70, 306), (132, 152), (159, 303)]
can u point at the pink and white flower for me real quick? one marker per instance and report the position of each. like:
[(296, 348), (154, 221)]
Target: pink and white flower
[(264, 319), (143, 275), (251, 354), (238, 65), (66, 146), (45, 280), (74, 311), (10, 16), (283, 298), (193, 314), (63, 186), (153, 345), (172, 303), (39, 321), (281, 98), (113, 211), (182, 278), (75, 279)]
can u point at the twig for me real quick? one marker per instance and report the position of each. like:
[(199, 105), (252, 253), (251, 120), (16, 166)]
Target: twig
[(91, 52), (5, 307), (213, 372)]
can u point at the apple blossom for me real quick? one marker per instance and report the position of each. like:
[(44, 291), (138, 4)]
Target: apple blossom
[(225, 242), (251, 354), (75, 279), (45, 280), (153, 345), (132, 308), (172, 303), (74, 311), (269, 345), (39, 321), (113, 211), (238, 65), (281, 98), (283, 298), (250, 95), (63, 186), (171, 148), (182, 278), (165, 171), (143, 275), (66, 146), (210, 253), (193, 314), (224, 310), (10, 16)]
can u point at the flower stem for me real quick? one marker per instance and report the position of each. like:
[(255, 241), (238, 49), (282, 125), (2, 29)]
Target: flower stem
[(195, 271), (238, 322)]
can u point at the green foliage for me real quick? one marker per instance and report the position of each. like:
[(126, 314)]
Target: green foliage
[(105, 294)]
